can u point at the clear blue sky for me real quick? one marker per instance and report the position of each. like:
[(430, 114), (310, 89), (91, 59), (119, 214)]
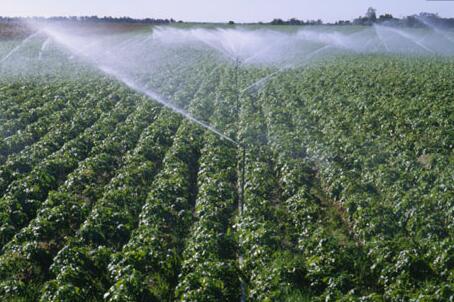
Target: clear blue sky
[(223, 10)]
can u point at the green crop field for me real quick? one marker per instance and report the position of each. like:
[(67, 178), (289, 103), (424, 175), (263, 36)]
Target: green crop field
[(332, 180)]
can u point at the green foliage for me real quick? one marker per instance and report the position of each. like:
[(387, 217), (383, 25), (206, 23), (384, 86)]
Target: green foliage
[(105, 195)]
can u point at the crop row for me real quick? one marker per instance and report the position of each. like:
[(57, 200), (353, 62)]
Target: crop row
[(18, 101), (148, 266), (209, 270), (80, 268), (258, 231), (77, 120), (24, 195), (321, 260), (382, 141), (34, 247), (26, 103), (55, 121)]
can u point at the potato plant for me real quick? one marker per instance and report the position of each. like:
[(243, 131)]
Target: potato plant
[(105, 195)]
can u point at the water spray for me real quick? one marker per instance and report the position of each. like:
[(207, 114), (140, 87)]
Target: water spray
[(267, 78), (276, 50), (15, 49), (43, 48), (166, 103), (144, 91), (409, 38), (434, 28)]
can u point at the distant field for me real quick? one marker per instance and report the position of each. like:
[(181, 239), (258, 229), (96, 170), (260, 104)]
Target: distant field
[(346, 193)]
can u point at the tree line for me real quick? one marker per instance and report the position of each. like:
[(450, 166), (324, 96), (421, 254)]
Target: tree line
[(370, 18), (91, 19)]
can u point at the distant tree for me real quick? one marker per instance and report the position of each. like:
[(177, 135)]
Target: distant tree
[(360, 21), (277, 22), (371, 14), (423, 19), (369, 19), (294, 21), (388, 18), (314, 22), (429, 15), (343, 22), (231, 22), (412, 21)]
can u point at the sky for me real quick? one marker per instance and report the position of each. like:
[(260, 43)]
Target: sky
[(224, 10)]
